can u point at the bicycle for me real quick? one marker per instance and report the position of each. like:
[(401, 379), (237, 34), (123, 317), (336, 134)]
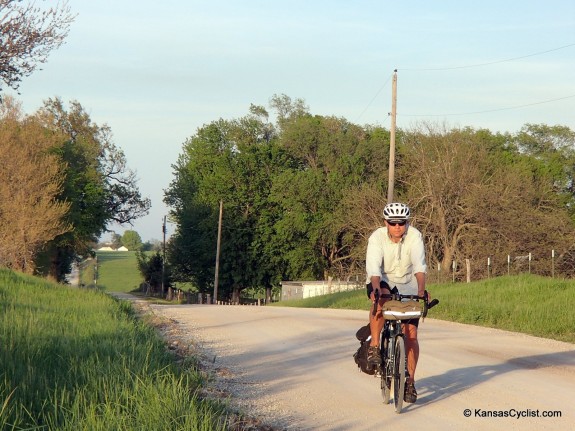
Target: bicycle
[(394, 362)]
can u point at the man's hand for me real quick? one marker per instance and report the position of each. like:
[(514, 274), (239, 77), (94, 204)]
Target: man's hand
[(426, 295), (375, 288)]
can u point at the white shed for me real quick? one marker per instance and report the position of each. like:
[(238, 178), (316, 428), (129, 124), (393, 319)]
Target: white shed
[(308, 289)]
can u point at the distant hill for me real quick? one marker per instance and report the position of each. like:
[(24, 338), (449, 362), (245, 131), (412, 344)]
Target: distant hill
[(117, 271)]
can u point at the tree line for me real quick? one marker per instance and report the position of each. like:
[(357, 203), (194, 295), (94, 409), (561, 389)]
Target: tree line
[(62, 181), (301, 195)]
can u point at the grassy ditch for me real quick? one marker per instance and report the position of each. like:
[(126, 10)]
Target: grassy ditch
[(76, 359), (526, 303)]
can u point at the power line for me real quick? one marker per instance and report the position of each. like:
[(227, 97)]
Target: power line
[(374, 97), (489, 110), (466, 67), (491, 62)]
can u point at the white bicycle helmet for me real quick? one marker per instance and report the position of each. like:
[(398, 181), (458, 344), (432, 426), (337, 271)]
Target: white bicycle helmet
[(396, 211)]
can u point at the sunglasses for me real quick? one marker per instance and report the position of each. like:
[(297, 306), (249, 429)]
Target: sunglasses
[(395, 223)]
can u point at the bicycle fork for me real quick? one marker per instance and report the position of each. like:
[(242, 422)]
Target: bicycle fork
[(389, 369)]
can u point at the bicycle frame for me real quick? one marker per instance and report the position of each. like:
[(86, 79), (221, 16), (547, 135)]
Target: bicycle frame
[(393, 370), (394, 363)]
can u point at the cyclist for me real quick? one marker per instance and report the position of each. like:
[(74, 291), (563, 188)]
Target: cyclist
[(396, 257)]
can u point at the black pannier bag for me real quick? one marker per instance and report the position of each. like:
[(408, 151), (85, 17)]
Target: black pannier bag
[(360, 357)]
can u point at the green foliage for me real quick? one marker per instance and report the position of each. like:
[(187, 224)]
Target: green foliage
[(283, 215), (152, 245), (333, 160), (235, 162), (99, 186), (116, 241), (132, 240), (301, 198), (75, 359), (153, 270), (551, 150)]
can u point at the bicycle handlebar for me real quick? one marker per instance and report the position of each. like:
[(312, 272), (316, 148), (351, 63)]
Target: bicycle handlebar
[(398, 297)]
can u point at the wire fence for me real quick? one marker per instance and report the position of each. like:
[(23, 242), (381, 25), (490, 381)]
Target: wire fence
[(547, 263)]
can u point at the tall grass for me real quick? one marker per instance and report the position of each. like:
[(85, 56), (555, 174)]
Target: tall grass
[(526, 303), (76, 359)]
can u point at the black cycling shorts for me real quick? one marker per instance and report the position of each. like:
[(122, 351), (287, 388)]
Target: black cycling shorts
[(383, 284)]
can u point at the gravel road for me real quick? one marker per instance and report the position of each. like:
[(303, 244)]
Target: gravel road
[(293, 369)]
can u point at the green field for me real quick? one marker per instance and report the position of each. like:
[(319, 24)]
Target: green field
[(117, 271)]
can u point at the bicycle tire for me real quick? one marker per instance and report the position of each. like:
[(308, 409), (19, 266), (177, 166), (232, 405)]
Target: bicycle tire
[(399, 374)]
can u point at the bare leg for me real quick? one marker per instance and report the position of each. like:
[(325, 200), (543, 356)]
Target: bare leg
[(375, 325), (412, 349), (376, 322)]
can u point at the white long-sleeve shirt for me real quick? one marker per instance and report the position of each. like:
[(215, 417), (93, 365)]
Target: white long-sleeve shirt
[(396, 263)]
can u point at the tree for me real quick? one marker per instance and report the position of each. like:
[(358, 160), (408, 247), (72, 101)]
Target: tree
[(152, 269), (554, 148), (232, 161), (98, 183), (131, 240), (152, 245), (334, 159), (287, 109), (28, 34), (475, 197), (301, 199), (31, 179), (116, 240)]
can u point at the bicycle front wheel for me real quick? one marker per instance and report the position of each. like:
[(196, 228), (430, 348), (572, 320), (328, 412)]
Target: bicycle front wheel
[(399, 374)]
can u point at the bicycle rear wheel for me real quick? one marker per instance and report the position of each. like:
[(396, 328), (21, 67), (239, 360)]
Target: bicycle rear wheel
[(399, 374)]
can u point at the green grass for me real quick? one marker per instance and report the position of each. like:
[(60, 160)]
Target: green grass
[(527, 303), (117, 271), (76, 359)]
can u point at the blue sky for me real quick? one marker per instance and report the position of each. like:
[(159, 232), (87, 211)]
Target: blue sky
[(157, 71)]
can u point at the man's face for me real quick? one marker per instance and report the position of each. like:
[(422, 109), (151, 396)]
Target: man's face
[(396, 229)]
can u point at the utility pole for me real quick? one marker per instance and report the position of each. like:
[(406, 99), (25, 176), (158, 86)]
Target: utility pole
[(391, 180), (163, 254), (217, 276)]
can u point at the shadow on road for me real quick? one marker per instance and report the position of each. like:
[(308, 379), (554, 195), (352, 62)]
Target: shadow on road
[(435, 388)]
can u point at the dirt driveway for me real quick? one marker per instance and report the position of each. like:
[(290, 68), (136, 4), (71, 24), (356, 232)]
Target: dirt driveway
[(293, 369)]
